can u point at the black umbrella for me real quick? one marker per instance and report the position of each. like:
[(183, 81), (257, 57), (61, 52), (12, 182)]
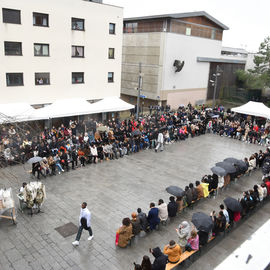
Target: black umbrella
[(228, 167), (34, 160), (233, 204), (176, 191), (242, 165), (218, 171), (231, 160), (202, 222), (136, 132)]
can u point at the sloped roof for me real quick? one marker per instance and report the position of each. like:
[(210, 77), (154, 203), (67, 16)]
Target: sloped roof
[(179, 16)]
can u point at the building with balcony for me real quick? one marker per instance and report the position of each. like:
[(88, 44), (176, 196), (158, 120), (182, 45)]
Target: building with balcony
[(52, 50), (178, 55)]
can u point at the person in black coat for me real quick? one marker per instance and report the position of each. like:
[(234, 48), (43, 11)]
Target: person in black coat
[(188, 194), (160, 259), (194, 192), (172, 207)]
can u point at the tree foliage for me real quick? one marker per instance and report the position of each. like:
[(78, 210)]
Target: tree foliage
[(259, 76)]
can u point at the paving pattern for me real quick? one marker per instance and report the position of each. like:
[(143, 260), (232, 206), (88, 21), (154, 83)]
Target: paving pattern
[(113, 190)]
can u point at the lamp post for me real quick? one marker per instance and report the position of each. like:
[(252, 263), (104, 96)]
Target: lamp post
[(217, 74), (139, 90)]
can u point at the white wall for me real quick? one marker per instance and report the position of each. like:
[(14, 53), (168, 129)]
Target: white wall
[(194, 75), (60, 64)]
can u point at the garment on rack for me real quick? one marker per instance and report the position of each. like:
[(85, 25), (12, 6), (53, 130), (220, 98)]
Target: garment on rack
[(6, 200), (34, 194)]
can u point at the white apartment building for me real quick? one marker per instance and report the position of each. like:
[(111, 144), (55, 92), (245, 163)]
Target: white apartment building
[(58, 49)]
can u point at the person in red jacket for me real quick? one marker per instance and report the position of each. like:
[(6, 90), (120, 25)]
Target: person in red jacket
[(267, 183)]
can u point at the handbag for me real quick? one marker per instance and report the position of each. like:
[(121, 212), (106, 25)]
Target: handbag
[(116, 239)]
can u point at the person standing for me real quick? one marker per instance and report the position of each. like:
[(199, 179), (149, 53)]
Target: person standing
[(160, 141), (85, 223)]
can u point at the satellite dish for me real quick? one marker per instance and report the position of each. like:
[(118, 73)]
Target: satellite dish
[(178, 65)]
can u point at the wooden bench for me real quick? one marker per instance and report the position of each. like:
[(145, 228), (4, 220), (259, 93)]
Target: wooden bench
[(183, 257)]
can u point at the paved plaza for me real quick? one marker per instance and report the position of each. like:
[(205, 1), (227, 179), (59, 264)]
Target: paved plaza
[(113, 190)]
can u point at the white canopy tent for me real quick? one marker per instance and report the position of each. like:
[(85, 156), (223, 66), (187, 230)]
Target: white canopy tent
[(15, 112), (253, 108), (111, 104), (63, 108)]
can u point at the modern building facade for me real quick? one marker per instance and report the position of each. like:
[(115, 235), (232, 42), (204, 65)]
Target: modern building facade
[(60, 49), (176, 52)]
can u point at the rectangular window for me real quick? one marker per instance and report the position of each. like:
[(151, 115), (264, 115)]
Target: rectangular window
[(14, 79), (41, 49), (13, 48), (77, 51), (77, 24), (110, 77), (112, 28), (188, 31), (213, 34), (11, 16), (40, 19), (42, 78), (77, 77), (111, 53)]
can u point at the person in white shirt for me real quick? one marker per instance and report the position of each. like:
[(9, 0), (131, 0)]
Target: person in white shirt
[(225, 213), (85, 223), (162, 211), (160, 141)]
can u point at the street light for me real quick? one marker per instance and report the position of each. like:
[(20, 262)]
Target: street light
[(214, 83), (139, 90)]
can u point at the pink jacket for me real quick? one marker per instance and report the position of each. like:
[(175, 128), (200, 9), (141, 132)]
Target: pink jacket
[(194, 242)]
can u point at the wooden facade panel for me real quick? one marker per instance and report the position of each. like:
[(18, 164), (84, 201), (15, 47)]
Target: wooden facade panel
[(201, 20)]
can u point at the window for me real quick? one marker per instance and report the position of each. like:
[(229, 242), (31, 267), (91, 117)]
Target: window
[(11, 16), (77, 77), (77, 24), (40, 19), (13, 48), (131, 27), (213, 34), (111, 53), (42, 78), (41, 49), (77, 51), (14, 79), (188, 31), (112, 28), (110, 76)]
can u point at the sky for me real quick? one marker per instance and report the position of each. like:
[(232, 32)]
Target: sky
[(248, 20)]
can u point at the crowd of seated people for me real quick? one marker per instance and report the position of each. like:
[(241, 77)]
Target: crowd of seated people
[(82, 142), (192, 193), (190, 239)]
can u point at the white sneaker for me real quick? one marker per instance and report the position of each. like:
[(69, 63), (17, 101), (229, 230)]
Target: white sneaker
[(75, 243), (90, 237)]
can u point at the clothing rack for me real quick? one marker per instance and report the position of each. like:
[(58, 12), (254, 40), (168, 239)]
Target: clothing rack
[(12, 215)]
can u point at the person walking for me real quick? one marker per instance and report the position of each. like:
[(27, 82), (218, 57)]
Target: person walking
[(160, 141), (85, 223)]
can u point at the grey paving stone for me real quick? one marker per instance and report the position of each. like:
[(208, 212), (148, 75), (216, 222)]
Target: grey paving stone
[(113, 191)]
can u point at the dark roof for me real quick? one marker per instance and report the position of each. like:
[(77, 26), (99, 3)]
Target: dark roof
[(181, 15)]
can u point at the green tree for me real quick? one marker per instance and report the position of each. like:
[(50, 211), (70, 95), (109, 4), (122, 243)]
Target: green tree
[(262, 62), (259, 76)]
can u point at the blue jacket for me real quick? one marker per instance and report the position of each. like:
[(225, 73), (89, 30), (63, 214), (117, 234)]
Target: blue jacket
[(153, 218)]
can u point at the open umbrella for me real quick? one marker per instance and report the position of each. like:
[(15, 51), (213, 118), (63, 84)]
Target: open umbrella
[(202, 222), (228, 167), (218, 171), (231, 160), (215, 116), (176, 191), (34, 160), (233, 204), (103, 129)]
